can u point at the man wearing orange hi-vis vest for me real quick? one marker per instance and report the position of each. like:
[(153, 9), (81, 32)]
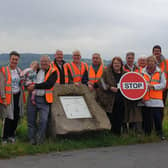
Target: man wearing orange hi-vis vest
[(44, 85), (77, 70), (133, 117), (95, 71), (130, 66), (13, 99), (162, 63), (59, 65)]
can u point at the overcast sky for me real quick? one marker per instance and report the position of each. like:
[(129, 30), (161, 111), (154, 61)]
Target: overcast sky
[(111, 27)]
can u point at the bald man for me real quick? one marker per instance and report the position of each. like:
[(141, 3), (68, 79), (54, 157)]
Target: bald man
[(46, 78), (59, 65)]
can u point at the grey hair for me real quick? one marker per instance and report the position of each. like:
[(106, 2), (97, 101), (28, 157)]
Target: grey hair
[(34, 62), (75, 51), (59, 51), (45, 56), (130, 53), (142, 57)]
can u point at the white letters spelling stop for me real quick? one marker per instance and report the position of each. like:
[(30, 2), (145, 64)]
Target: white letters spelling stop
[(133, 86)]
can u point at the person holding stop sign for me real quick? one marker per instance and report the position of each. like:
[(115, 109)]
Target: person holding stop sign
[(153, 99), (133, 117), (108, 94)]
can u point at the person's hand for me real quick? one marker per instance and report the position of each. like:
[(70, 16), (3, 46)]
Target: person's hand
[(114, 89), (150, 86), (77, 84), (90, 86), (30, 87), (4, 102)]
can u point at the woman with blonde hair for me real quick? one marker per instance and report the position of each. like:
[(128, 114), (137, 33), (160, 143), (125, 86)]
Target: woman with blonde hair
[(153, 99)]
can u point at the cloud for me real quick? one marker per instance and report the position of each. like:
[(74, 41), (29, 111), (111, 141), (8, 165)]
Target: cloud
[(109, 27)]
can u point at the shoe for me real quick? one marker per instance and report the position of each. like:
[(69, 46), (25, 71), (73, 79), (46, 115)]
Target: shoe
[(4, 142), (11, 140), (33, 142), (39, 140), (162, 138)]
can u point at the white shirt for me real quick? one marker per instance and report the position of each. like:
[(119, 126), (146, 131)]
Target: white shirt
[(160, 86), (131, 68), (40, 79), (15, 81)]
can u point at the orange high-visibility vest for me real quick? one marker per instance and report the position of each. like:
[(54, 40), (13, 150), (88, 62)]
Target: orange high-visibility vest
[(93, 76), (164, 68), (77, 72), (137, 69), (58, 73), (151, 93), (49, 92), (8, 85)]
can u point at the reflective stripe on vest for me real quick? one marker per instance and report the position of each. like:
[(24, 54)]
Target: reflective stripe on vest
[(66, 79), (153, 94), (164, 68), (76, 72), (139, 70), (93, 76), (8, 84), (49, 92)]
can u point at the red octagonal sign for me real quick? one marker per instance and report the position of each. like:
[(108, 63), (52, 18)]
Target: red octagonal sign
[(133, 86)]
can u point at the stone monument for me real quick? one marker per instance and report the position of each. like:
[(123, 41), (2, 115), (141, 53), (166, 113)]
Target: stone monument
[(75, 110)]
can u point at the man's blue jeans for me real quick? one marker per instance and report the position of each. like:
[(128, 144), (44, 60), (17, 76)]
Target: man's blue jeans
[(41, 107)]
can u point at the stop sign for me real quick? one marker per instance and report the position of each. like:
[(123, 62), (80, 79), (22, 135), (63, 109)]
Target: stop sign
[(133, 86)]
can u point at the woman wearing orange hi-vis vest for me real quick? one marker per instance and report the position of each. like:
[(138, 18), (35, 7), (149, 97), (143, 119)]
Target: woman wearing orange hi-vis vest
[(77, 70), (153, 99), (14, 98)]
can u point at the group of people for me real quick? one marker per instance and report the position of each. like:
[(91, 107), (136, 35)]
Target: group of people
[(39, 81)]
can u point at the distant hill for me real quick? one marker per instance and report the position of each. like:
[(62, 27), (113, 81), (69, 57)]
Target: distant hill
[(27, 58)]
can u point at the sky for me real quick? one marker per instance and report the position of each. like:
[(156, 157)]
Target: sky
[(110, 27)]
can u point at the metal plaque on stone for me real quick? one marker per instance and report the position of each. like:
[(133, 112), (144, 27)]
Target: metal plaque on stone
[(75, 107)]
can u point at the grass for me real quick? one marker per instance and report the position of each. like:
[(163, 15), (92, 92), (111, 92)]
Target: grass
[(89, 140)]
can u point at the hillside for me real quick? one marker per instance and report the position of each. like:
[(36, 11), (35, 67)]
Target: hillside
[(27, 58)]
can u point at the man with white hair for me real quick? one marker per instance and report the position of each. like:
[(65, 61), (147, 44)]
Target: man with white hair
[(46, 78), (95, 71), (77, 70), (133, 112), (142, 62)]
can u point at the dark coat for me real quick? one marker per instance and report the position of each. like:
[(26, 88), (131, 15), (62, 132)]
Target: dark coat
[(104, 96), (132, 110)]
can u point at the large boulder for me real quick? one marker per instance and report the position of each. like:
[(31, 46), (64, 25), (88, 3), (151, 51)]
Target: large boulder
[(60, 124)]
